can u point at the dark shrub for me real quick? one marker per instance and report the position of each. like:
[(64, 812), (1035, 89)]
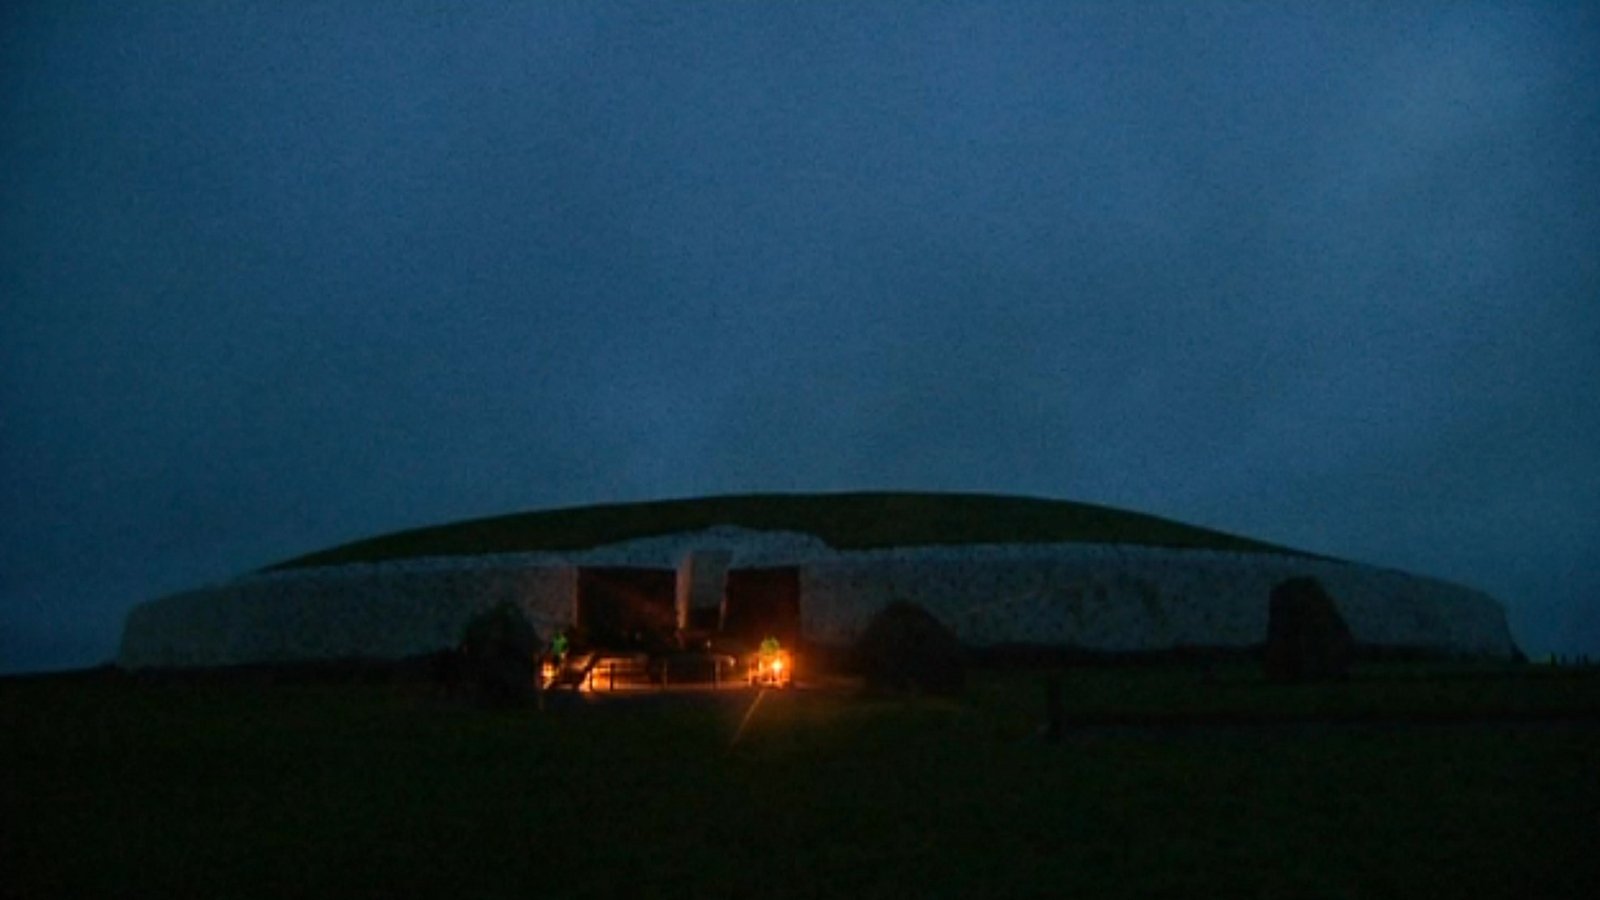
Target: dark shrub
[(499, 656), (1307, 639), (904, 648)]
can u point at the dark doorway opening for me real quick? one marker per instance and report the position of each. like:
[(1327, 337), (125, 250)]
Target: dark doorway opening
[(626, 608), (761, 603)]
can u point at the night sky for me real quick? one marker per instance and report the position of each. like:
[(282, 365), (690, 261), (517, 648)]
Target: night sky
[(275, 276)]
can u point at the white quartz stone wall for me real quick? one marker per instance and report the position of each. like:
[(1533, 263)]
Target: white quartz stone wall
[(1091, 596), (374, 612), (1135, 598)]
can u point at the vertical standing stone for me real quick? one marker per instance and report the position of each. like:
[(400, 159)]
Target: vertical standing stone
[(702, 578), (1307, 639), (905, 649), (1052, 708)]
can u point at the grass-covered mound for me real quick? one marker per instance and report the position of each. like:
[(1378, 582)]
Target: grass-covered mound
[(845, 521)]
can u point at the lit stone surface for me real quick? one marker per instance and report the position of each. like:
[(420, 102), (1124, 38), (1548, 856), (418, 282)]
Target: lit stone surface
[(702, 581), (1099, 597)]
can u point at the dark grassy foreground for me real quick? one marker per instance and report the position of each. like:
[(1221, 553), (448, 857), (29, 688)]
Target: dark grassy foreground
[(112, 788)]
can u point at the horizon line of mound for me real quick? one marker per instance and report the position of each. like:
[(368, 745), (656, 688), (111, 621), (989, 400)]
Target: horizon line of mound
[(843, 521), (1100, 598)]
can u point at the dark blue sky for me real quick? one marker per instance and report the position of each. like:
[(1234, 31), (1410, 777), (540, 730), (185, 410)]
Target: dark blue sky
[(278, 275)]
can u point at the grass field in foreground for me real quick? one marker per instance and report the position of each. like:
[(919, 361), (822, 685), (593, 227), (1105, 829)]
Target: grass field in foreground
[(115, 789)]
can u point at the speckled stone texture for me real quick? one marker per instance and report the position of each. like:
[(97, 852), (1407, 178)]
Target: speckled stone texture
[(1137, 598), (354, 612), (1097, 597)]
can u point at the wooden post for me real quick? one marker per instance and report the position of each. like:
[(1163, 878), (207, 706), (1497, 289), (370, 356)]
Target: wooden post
[(1052, 702)]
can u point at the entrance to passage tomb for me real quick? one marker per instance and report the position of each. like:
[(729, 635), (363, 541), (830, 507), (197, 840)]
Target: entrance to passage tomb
[(627, 608), (761, 603)]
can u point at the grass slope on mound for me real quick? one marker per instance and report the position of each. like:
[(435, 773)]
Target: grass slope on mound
[(845, 521)]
